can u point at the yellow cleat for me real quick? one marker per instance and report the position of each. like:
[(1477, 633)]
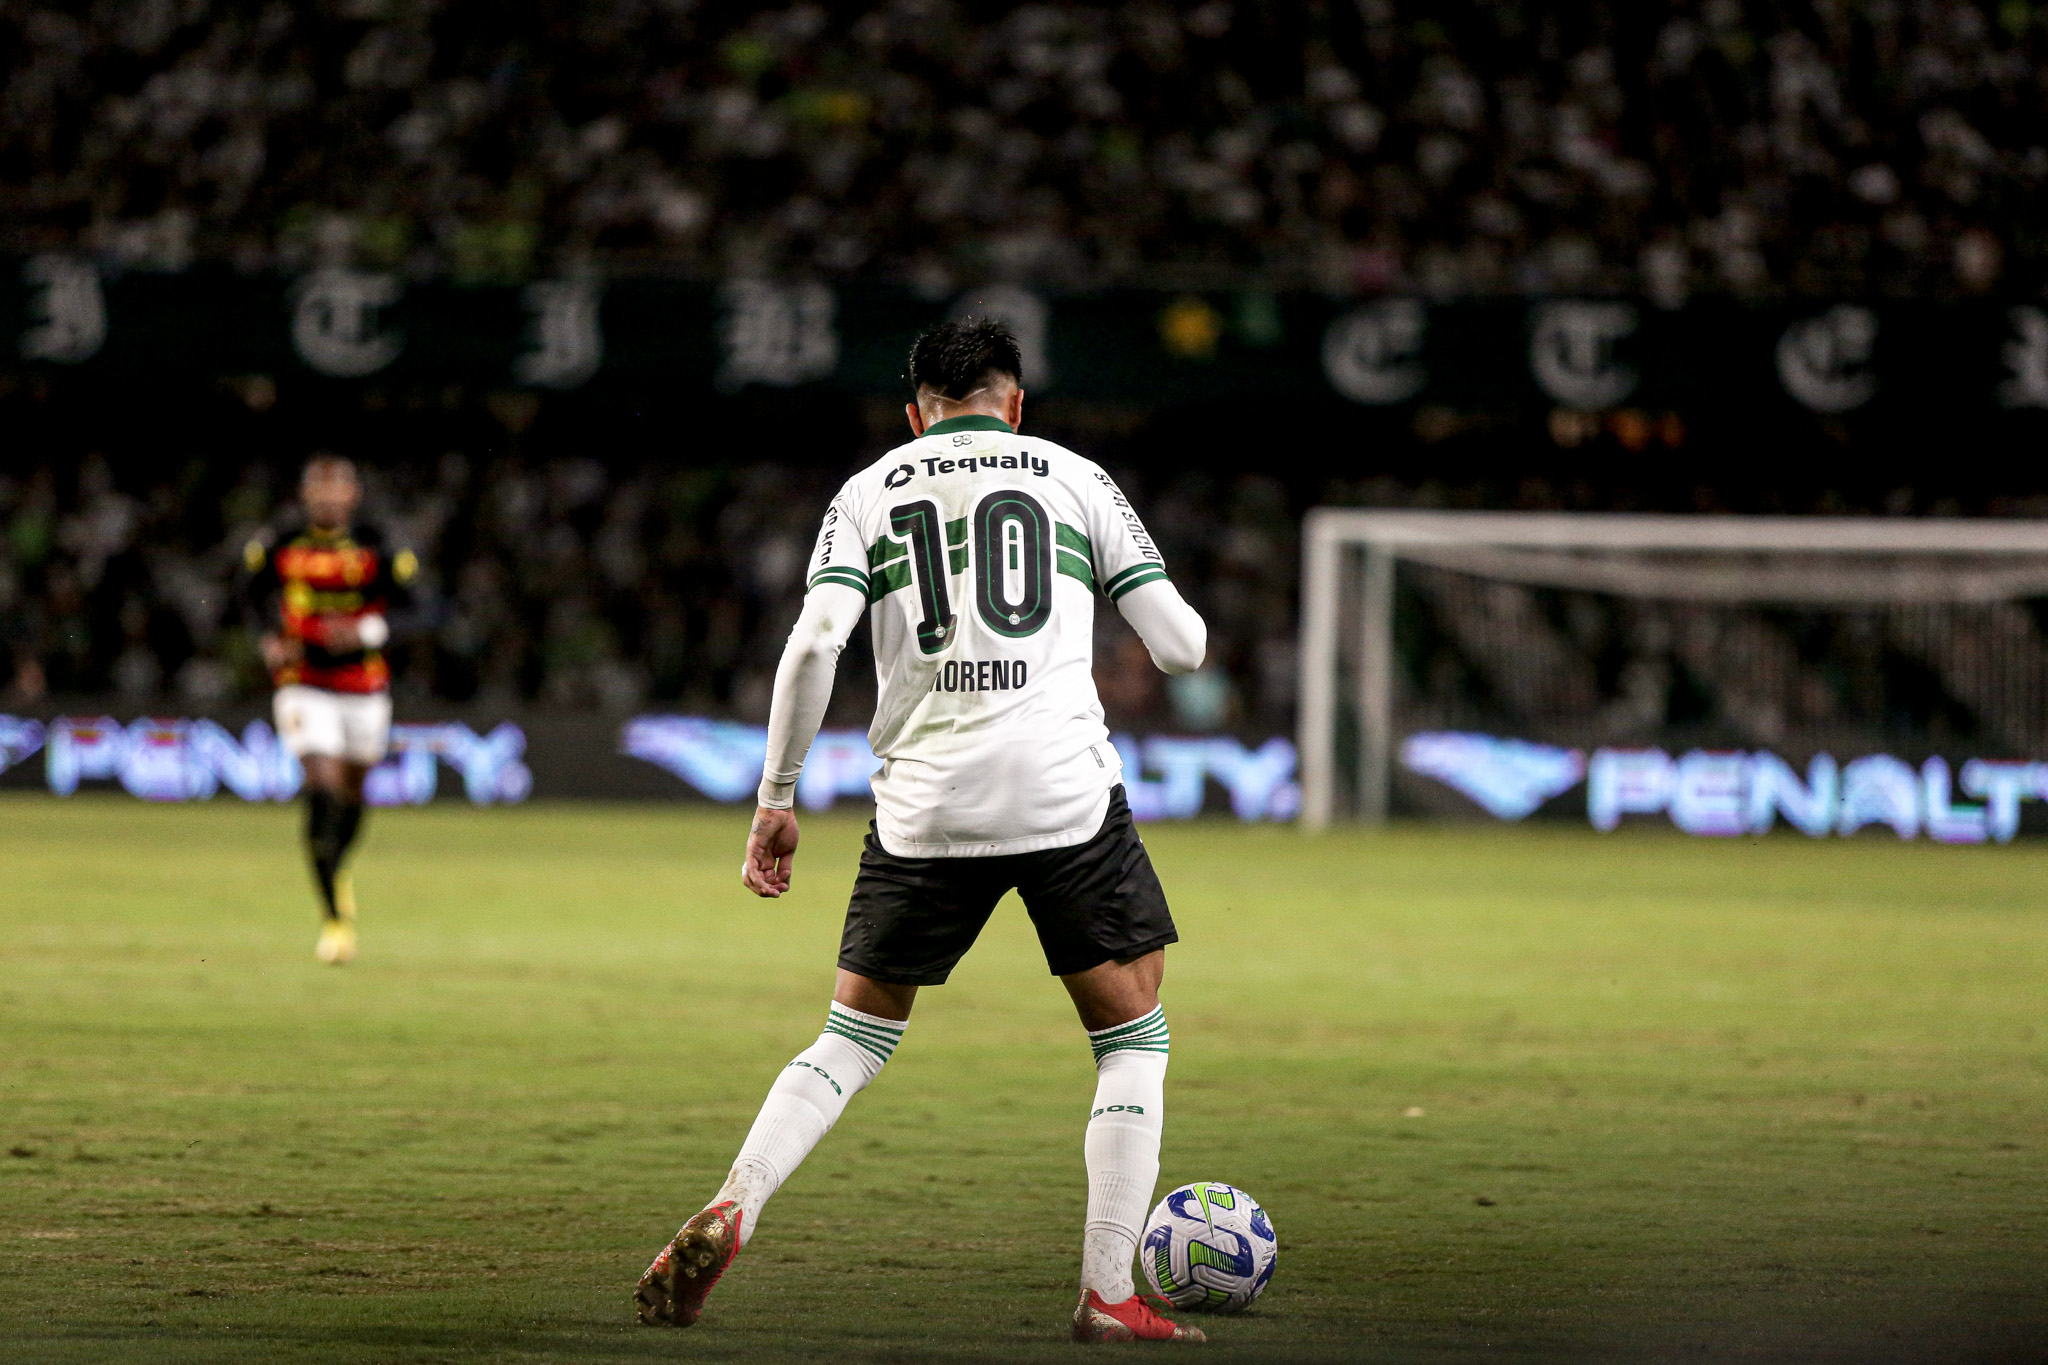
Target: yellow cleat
[(337, 943)]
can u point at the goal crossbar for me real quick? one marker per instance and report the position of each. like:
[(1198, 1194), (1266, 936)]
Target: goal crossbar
[(1577, 550)]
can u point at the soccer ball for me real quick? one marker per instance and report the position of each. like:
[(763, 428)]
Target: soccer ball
[(1209, 1247)]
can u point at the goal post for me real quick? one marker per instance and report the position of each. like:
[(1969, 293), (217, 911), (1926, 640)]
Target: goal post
[(1351, 676)]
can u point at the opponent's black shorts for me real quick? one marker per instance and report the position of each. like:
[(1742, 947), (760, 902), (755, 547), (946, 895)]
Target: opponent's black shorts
[(913, 919)]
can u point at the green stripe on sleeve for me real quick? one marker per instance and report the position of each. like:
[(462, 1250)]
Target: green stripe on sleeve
[(844, 576), (1115, 580), (1076, 557), (1134, 578), (1074, 566)]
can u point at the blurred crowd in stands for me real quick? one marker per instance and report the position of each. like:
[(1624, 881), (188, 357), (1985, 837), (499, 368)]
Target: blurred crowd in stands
[(1458, 146), (572, 558), (565, 583)]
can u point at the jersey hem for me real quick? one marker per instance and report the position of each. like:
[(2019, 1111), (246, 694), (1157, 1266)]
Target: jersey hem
[(997, 848)]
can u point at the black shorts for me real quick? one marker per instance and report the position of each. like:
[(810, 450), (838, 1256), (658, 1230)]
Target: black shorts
[(913, 919)]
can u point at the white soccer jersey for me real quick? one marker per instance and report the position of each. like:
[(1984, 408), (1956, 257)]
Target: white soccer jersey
[(980, 552)]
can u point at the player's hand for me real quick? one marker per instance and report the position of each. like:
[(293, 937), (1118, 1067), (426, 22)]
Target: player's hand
[(339, 634), (279, 652), (771, 848)]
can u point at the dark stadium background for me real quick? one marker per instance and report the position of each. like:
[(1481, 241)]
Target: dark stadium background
[(606, 297), (1205, 186)]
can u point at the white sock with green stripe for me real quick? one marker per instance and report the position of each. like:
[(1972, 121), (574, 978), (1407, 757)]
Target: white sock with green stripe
[(803, 1104), (1122, 1146)]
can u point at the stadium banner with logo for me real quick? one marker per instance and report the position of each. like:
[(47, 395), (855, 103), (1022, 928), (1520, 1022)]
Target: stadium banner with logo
[(651, 757), (1727, 792), (1823, 358), (1714, 793)]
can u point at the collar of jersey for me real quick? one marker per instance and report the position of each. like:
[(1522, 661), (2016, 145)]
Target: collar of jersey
[(973, 422)]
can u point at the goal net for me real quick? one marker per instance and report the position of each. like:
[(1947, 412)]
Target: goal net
[(1727, 674)]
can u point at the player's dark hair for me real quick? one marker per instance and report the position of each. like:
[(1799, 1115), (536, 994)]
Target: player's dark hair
[(954, 359)]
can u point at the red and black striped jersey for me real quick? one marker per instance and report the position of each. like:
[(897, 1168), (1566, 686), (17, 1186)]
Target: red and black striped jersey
[(298, 580)]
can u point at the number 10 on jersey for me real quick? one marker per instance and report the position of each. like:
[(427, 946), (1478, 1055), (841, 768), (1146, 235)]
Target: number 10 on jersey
[(1011, 551)]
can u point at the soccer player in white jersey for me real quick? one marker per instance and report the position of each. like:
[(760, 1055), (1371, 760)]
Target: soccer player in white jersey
[(978, 553)]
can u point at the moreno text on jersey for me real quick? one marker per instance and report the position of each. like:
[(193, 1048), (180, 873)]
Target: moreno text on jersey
[(979, 675)]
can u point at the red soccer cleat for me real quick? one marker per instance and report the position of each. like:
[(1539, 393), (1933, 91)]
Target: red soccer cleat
[(1131, 1320), (674, 1288)]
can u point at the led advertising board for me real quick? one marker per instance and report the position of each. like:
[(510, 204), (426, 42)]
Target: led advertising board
[(182, 759), (1722, 793)]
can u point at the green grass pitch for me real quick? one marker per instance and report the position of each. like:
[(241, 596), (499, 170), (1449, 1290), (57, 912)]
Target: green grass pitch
[(1508, 1093)]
